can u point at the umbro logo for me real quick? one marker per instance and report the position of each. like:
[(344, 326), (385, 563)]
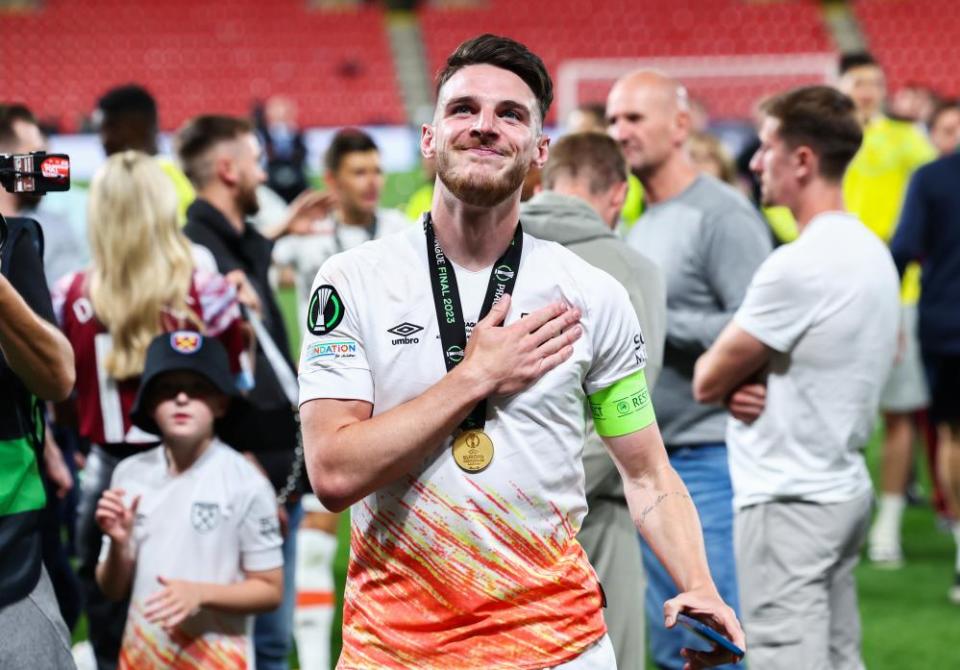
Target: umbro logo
[(404, 331)]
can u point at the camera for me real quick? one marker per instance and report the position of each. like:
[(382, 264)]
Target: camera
[(37, 172)]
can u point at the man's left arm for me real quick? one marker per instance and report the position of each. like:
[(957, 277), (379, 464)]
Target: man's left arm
[(36, 351), (659, 503), (665, 515)]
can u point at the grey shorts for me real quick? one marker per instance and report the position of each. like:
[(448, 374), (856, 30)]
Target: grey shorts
[(906, 387), (32, 632)]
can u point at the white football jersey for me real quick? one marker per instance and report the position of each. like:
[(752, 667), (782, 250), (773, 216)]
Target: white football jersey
[(208, 524), (450, 568)]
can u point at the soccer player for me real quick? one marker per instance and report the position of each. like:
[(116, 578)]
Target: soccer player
[(820, 322), (444, 380)]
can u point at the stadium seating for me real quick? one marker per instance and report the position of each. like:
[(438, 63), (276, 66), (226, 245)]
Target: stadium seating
[(566, 29), (201, 56), (916, 41), (205, 56)]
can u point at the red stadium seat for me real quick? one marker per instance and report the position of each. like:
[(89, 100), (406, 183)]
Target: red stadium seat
[(916, 41), (572, 29), (202, 57)]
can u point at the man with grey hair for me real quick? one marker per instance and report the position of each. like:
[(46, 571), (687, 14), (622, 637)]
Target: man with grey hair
[(708, 240), (586, 183)]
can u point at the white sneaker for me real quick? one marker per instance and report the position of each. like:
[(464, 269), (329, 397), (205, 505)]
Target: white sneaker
[(885, 555), (953, 595)]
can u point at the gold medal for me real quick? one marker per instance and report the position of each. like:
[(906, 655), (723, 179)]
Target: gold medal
[(473, 450)]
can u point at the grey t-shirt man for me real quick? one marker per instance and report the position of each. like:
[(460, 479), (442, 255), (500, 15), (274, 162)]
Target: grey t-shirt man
[(708, 241)]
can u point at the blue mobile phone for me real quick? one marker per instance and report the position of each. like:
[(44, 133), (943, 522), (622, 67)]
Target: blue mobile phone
[(709, 634)]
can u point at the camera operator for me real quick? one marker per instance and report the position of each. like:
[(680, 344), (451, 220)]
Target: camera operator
[(36, 363), (64, 249)]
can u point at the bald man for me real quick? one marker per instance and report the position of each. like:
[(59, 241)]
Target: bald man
[(707, 240)]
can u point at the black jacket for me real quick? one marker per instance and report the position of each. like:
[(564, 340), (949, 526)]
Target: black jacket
[(270, 430)]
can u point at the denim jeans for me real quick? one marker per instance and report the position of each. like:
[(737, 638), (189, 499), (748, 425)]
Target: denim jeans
[(273, 631), (705, 471)]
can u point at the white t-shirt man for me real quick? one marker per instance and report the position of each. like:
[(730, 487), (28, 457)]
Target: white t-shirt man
[(448, 568), (207, 524), (307, 253), (827, 304)]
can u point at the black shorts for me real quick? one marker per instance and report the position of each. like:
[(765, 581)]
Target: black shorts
[(943, 378)]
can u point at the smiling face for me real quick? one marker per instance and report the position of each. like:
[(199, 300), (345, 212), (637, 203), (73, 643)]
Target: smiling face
[(486, 135)]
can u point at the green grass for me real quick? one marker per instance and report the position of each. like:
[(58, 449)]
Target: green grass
[(907, 620)]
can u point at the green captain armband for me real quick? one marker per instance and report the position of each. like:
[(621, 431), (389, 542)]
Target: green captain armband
[(624, 407)]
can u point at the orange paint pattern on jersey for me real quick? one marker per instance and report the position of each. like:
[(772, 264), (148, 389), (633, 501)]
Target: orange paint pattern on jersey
[(148, 647), (425, 591)]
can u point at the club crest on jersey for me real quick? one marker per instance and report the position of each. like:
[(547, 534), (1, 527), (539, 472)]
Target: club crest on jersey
[(326, 310), (185, 342), (205, 516)]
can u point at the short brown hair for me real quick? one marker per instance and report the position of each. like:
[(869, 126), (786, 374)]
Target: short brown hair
[(592, 155), (506, 54), (195, 139), (822, 118), (9, 115), (347, 141)]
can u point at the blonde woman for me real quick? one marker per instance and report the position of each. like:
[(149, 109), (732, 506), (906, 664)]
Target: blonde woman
[(710, 156), (143, 281)]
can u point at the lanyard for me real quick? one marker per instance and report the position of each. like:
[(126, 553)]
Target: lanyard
[(446, 300)]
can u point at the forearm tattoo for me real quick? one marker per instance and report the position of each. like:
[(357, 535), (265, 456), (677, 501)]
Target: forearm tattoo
[(656, 503)]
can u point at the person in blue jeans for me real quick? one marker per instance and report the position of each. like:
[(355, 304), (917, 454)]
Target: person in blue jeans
[(708, 240)]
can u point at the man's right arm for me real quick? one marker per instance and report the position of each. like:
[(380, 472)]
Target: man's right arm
[(350, 453), (38, 353)]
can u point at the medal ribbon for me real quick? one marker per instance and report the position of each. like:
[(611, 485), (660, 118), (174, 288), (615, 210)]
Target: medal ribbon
[(446, 299)]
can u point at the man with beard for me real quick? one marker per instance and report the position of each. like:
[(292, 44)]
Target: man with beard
[(221, 157), (460, 448), (708, 240)]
